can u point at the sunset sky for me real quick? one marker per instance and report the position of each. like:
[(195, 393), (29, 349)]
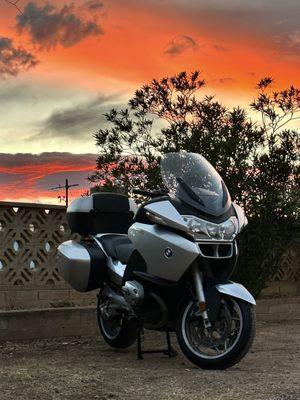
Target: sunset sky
[(63, 65)]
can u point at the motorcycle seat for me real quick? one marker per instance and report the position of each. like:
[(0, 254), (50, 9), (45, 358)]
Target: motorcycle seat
[(117, 246)]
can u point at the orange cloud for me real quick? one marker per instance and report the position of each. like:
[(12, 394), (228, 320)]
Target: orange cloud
[(30, 177), (135, 47)]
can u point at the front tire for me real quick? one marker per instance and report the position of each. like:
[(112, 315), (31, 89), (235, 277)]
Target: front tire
[(226, 343), (118, 333)]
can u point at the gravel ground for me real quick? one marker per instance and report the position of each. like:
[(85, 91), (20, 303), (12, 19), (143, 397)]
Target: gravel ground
[(75, 368)]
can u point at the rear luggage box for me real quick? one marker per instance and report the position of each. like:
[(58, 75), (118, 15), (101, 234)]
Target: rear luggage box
[(82, 265), (100, 213)]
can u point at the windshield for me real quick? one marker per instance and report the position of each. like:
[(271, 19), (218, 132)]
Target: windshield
[(190, 177)]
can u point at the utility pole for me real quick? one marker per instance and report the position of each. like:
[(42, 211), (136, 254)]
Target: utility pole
[(67, 186)]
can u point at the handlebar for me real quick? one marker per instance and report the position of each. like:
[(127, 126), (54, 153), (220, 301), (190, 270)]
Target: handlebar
[(150, 193)]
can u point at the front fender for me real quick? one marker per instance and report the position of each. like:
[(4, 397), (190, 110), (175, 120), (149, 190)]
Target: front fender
[(236, 290)]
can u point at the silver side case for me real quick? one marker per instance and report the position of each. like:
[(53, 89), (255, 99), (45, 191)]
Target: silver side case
[(167, 254), (236, 290), (74, 264)]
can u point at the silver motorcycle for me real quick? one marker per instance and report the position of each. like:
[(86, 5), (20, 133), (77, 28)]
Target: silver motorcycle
[(165, 265)]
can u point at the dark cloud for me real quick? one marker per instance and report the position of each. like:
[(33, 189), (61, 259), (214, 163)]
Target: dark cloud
[(223, 80), (180, 44), (58, 178), (288, 43), (6, 179), (93, 5), (17, 160), (48, 26), (218, 47), (275, 22), (14, 60), (27, 94), (79, 121)]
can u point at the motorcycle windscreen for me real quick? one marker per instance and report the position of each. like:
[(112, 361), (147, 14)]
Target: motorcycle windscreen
[(191, 178)]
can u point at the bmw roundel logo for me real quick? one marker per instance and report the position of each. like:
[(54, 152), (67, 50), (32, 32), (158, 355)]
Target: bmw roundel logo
[(168, 252)]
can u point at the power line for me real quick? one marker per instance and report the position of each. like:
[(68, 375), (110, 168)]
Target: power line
[(67, 186)]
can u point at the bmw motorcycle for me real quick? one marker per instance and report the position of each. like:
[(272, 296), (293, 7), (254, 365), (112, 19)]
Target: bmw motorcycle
[(166, 265)]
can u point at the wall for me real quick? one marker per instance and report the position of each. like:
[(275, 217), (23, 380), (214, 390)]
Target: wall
[(286, 281), (81, 321), (29, 235)]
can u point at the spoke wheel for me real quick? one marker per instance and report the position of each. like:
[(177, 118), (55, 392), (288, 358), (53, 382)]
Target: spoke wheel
[(110, 326), (223, 344), (218, 340)]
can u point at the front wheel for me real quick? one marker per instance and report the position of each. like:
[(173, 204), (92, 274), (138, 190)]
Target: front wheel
[(222, 345)]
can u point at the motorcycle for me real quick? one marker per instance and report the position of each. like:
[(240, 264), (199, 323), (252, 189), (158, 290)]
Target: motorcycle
[(165, 265)]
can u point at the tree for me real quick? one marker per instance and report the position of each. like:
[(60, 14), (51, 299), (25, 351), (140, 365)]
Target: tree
[(167, 116), (278, 159), (274, 185), (258, 162), (15, 4)]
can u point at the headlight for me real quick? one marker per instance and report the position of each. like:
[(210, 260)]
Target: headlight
[(242, 219), (227, 230)]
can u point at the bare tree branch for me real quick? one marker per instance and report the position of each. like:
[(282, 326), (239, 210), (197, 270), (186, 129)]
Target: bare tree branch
[(15, 4)]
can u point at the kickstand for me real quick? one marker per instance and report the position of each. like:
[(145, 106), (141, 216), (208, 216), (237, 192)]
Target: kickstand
[(139, 344), (168, 352)]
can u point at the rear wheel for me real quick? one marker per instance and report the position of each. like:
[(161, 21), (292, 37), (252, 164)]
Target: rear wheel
[(222, 345), (116, 329)]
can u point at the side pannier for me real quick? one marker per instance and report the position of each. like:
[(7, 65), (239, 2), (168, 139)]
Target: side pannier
[(81, 264)]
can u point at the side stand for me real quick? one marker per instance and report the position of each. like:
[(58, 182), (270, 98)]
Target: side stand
[(168, 352)]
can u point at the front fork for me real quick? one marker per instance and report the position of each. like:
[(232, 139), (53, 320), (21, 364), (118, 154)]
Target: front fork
[(200, 295)]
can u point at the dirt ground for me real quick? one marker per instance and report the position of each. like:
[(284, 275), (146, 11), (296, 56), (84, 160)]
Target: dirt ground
[(75, 368)]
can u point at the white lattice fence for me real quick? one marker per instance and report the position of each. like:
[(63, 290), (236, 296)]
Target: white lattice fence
[(290, 263), (29, 235), (286, 280)]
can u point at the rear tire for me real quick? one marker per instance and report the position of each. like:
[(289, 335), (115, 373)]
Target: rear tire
[(230, 357), (123, 336)]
